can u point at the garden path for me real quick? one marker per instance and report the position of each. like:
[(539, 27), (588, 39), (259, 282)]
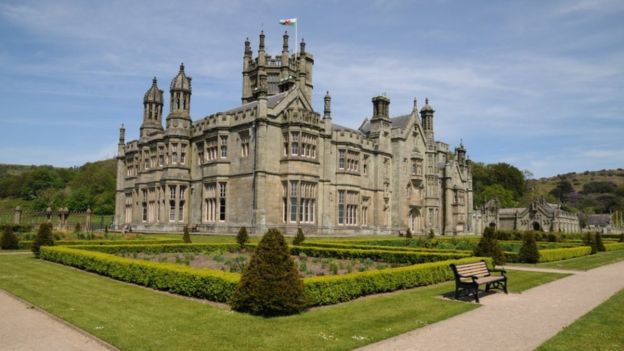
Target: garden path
[(30, 329), (516, 321)]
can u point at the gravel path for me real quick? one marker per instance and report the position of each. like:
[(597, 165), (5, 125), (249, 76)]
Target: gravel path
[(516, 321), (24, 328)]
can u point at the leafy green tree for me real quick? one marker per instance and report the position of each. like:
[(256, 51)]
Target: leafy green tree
[(488, 247), (9, 240), (299, 238), (562, 189), (497, 191), (270, 284), (44, 238), (601, 187), (242, 237), (529, 252)]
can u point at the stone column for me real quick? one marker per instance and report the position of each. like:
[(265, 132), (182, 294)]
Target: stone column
[(18, 215)]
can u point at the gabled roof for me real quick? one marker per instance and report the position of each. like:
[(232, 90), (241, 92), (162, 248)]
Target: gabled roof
[(272, 101), (399, 122)]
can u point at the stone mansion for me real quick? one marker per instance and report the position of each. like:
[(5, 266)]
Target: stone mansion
[(274, 161)]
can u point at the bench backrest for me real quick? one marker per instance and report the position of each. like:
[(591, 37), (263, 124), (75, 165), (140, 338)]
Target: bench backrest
[(478, 269)]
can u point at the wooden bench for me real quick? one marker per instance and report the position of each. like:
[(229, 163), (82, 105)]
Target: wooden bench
[(469, 276)]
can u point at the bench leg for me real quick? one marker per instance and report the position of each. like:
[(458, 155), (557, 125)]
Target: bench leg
[(505, 285), (476, 293), (487, 287)]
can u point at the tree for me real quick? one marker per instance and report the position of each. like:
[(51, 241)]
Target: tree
[(562, 190), (529, 252), (599, 187), (497, 191), (242, 237), (590, 240), (299, 238), (488, 247), (44, 238), (186, 236), (9, 240), (270, 284)]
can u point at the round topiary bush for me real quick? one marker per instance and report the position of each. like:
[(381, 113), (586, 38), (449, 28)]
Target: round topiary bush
[(9, 240), (529, 252), (186, 236), (488, 247), (270, 284), (242, 237), (299, 238), (44, 238)]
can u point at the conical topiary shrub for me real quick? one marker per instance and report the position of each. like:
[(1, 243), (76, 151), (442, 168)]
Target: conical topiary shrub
[(9, 240), (488, 247), (242, 237), (529, 252), (299, 238), (408, 234), (599, 244), (590, 240), (44, 238), (186, 236), (270, 284)]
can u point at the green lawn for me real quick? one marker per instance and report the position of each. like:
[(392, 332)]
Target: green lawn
[(600, 329), (584, 263), (136, 318)]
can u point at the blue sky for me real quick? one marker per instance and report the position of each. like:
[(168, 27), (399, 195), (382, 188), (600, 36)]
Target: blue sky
[(538, 84)]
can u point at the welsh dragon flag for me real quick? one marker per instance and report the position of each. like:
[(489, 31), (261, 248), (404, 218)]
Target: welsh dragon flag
[(288, 21)]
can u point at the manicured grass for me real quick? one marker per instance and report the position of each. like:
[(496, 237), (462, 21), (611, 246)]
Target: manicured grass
[(135, 318), (600, 329), (584, 263), (518, 281)]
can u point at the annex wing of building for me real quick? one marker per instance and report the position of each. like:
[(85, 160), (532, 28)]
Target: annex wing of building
[(274, 162)]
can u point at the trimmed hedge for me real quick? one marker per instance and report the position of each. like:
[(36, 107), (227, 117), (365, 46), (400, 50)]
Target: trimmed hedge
[(203, 283), (219, 286), (563, 254), (157, 248), (338, 245), (26, 244), (333, 289), (614, 246), (388, 256)]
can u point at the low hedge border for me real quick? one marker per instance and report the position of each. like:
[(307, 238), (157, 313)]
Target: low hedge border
[(614, 246), (340, 288), (218, 286), (203, 283), (26, 244), (549, 255), (156, 248), (387, 256), (339, 245)]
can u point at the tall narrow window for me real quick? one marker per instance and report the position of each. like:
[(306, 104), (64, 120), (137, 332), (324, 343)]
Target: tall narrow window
[(210, 204), (365, 215), (294, 199), (294, 143), (182, 153), (341, 206), (211, 149), (174, 154), (222, 198), (244, 137), (181, 204), (144, 204), (285, 136), (224, 146), (146, 160), (161, 156), (341, 159), (285, 201), (172, 203), (128, 216), (308, 202)]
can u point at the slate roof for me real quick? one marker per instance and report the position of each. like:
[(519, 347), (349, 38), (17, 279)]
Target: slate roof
[(399, 122), (599, 220)]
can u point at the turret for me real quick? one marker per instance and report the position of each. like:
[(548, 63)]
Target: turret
[(247, 61), (426, 114), (180, 109), (152, 110), (460, 153), (122, 141), (327, 106), (380, 122)]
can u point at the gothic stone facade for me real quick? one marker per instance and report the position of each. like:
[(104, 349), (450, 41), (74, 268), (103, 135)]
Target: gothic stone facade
[(275, 162), (540, 215)]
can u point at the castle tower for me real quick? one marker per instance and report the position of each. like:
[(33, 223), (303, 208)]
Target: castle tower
[(180, 105), (426, 114), (152, 110), (269, 75), (461, 154), (381, 115)]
